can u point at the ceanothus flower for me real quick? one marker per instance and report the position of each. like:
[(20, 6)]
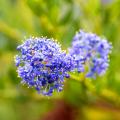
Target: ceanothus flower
[(43, 65), (90, 52)]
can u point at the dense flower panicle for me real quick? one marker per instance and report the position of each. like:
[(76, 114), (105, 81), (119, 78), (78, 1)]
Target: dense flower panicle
[(43, 65), (90, 51)]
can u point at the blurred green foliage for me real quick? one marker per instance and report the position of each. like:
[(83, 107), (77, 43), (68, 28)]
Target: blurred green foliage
[(59, 19)]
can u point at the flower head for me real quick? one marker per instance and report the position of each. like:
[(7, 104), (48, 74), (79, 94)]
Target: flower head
[(91, 51), (43, 65)]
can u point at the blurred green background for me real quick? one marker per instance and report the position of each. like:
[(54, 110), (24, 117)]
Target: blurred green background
[(59, 19)]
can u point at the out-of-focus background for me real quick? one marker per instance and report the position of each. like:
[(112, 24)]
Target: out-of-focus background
[(59, 19)]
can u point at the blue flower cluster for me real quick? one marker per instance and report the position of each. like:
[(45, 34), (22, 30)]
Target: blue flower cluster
[(43, 65), (90, 53)]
